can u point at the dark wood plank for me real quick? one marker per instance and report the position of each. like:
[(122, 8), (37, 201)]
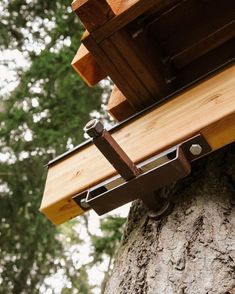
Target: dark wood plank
[(138, 51), (117, 53), (216, 58), (205, 45), (104, 56), (189, 23), (129, 11)]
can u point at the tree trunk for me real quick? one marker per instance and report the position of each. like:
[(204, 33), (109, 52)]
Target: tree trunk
[(192, 249)]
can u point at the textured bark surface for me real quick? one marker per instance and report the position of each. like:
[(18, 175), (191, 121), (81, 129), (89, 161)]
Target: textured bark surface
[(191, 250)]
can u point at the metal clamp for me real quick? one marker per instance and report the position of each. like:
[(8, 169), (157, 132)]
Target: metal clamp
[(138, 181)]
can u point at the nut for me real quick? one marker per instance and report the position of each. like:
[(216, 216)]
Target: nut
[(84, 204), (94, 128), (195, 149)]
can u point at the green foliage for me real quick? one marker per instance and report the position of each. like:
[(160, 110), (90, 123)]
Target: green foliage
[(36, 16), (44, 114), (41, 118), (106, 244)]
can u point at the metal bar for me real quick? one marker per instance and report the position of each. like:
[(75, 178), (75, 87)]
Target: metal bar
[(142, 185), (111, 150), (157, 172)]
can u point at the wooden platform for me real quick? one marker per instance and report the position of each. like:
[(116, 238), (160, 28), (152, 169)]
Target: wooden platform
[(151, 48), (207, 108)]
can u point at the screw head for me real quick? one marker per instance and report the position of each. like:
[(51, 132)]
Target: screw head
[(84, 204), (195, 149), (94, 128)]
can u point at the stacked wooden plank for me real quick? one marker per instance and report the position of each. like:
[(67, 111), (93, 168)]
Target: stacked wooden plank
[(151, 48), (114, 48)]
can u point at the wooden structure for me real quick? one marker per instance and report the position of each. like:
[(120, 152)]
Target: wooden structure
[(151, 48), (156, 54)]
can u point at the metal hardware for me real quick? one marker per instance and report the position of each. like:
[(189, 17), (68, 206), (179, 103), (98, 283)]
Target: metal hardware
[(94, 128), (111, 150), (142, 180), (142, 186), (137, 33), (119, 159), (84, 204), (195, 149)]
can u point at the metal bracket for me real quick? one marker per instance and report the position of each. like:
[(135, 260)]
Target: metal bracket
[(142, 180)]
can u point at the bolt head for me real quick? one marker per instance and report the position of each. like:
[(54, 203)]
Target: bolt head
[(94, 128), (84, 204), (195, 149)]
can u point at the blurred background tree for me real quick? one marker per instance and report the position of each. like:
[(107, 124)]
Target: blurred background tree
[(41, 118)]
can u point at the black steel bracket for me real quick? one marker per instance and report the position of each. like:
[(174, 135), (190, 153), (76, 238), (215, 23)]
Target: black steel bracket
[(140, 181)]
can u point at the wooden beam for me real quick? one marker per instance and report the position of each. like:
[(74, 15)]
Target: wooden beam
[(142, 80), (86, 66), (207, 108), (118, 105), (116, 52), (133, 65), (209, 62), (109, 57), (212, 41), (126, 12), (145, 61), (107, 64), (93, 13), (105, 17), (180, 36)]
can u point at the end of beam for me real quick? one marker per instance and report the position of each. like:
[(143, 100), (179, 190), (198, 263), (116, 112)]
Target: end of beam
[(118, 106), (86, 66), (92, 13)]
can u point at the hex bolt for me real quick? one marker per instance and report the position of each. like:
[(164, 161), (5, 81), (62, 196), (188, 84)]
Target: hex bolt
[(111, 150), (94, 128), (170, 80), (84, 204), (195, 149), (137, 33)]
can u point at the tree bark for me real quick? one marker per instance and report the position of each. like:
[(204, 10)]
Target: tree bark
[(192, 249)]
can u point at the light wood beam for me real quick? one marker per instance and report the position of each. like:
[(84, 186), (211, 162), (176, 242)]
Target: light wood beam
[(86, 66), (118, 105)]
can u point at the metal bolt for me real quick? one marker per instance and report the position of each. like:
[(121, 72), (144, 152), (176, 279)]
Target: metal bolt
[(137, 33), (108, 146), (94, 128), (170, 80), (166, 60), (84, 204), (195, 149)]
